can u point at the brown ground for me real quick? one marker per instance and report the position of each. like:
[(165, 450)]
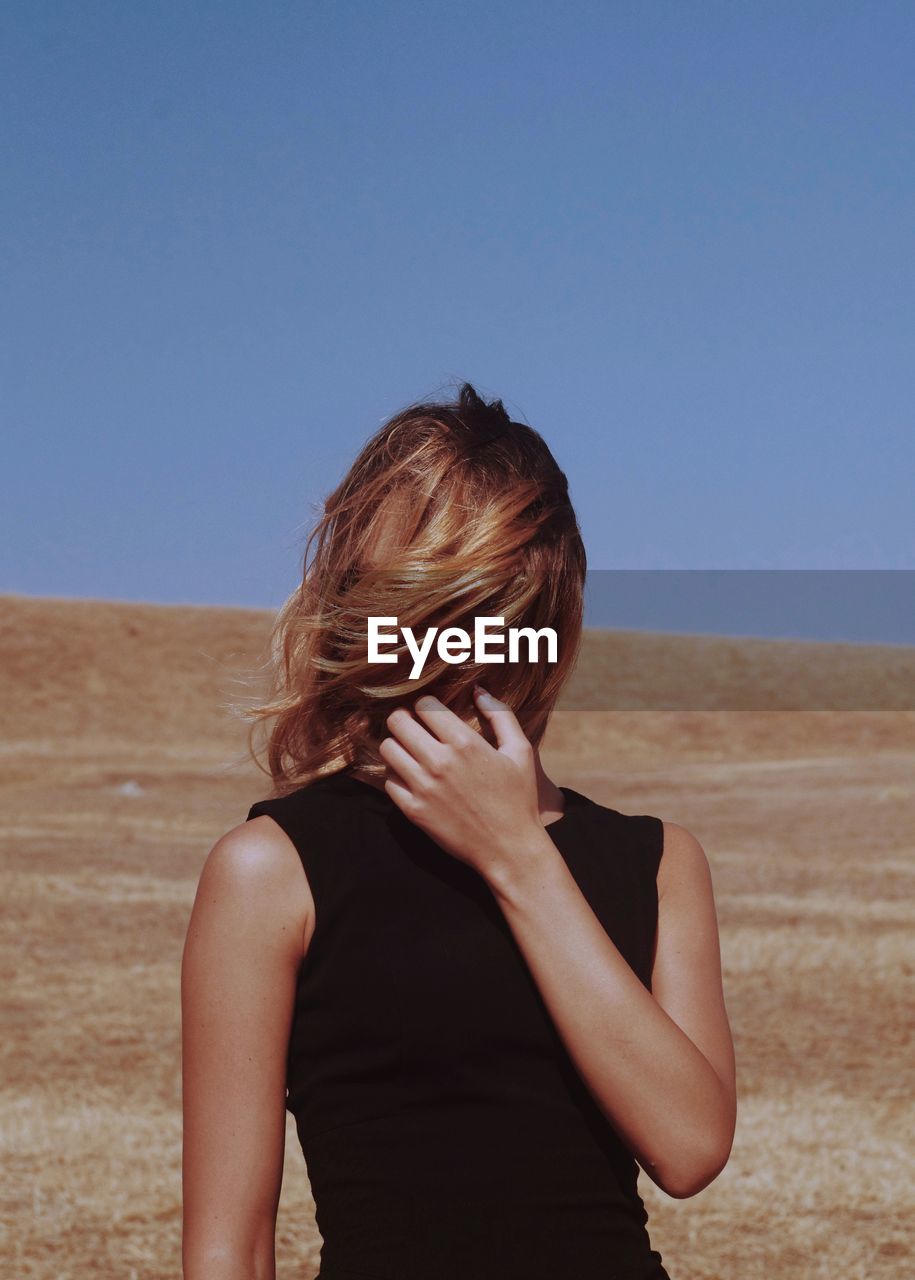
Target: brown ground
[(120, 770)]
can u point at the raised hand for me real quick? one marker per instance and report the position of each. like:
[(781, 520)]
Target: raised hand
[(479, 802)]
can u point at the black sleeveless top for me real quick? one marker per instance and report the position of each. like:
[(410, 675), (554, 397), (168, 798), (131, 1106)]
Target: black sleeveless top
[(446, 1131)]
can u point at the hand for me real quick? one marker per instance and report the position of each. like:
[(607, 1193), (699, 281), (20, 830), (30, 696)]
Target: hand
[(477, 801)]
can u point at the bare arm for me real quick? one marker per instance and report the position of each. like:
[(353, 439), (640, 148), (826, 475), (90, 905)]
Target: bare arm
[(245, 941), (660, 1064)]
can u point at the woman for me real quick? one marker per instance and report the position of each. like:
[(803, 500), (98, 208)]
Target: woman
[(486, 999)]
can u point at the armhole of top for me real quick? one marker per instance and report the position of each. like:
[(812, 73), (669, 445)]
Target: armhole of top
[(651, 849), (649, 831), (657, 844)]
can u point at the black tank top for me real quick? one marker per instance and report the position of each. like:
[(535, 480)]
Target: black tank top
[(447, 1134)]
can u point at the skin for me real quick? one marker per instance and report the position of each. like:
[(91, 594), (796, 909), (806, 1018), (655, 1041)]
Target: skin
[(660, 1064)]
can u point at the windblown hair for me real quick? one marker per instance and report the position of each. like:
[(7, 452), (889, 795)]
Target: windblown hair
[(449, 512)]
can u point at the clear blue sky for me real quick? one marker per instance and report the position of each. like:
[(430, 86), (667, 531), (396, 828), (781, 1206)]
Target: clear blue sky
[(676, 238)]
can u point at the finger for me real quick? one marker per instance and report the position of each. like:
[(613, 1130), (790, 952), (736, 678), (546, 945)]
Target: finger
[(446, 726), (407, 770), (401, 794), (414, 737), (509, 734)]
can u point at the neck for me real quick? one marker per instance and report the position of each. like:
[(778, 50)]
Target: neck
[(550, 799)]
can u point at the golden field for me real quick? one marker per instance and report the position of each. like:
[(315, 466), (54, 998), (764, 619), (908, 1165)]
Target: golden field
[(122, 766)]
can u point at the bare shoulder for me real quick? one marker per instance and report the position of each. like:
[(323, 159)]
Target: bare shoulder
[(254, 856), (684, 867), (254, 870)]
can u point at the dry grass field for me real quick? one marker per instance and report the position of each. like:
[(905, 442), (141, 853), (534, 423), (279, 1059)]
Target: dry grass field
[(121, 767)]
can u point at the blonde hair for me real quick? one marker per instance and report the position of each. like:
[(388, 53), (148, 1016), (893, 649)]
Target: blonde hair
[(450, 511)]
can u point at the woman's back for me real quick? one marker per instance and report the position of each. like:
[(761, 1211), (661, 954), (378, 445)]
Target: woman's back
[(446, 1131)]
